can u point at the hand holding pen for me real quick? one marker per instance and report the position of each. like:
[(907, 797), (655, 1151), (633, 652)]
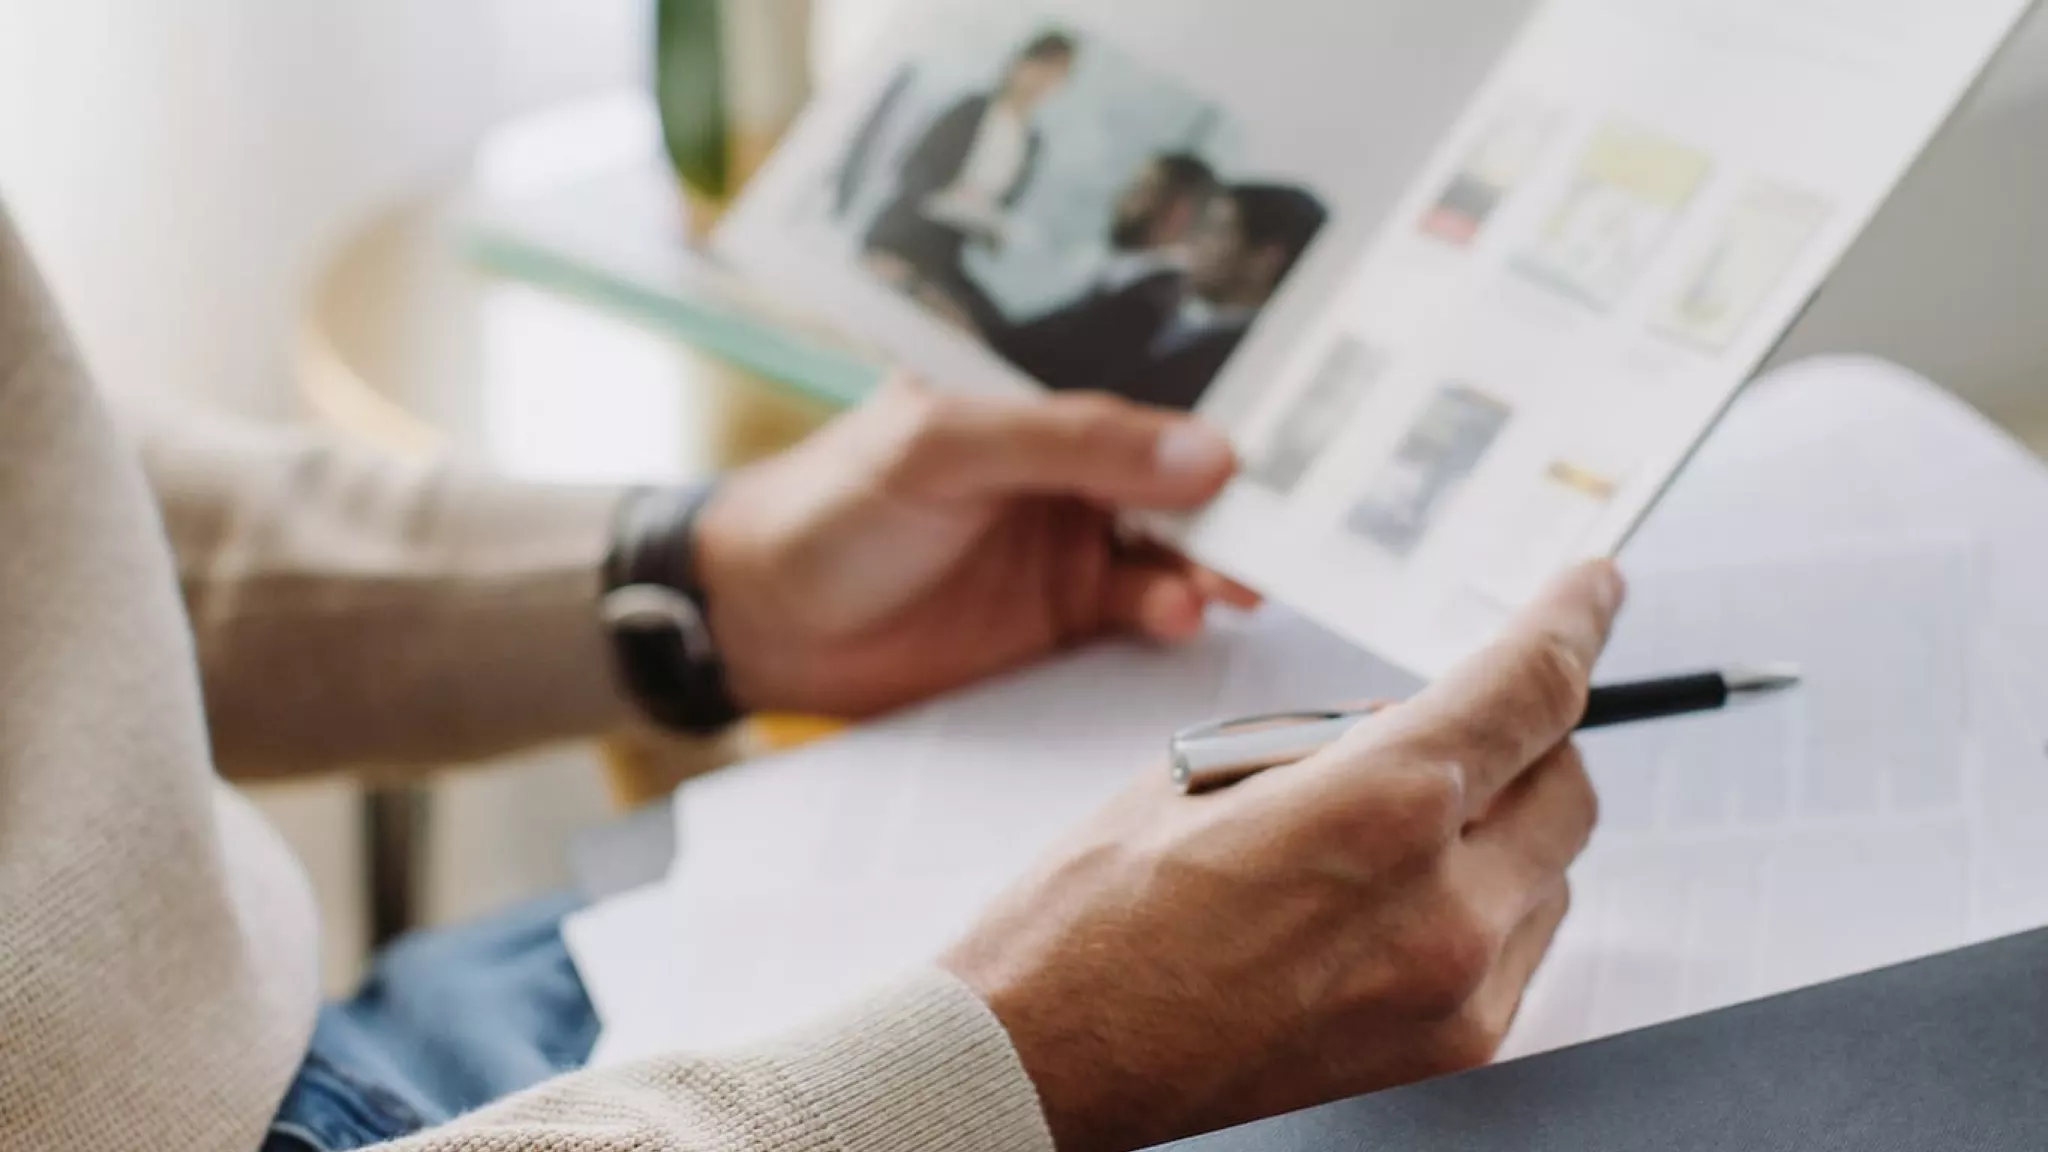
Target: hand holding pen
[(1364, 918)]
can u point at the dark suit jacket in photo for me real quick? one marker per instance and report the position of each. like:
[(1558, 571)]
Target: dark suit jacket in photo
[(1177, 377), (1097, 340), (931, 166), (942, 153), (937, 250)]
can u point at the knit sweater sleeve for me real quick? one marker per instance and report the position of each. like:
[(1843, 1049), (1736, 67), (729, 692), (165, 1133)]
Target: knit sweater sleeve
[(923, 1065), (357, 610), (157, 970)]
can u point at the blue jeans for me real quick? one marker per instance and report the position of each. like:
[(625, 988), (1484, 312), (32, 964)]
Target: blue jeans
[(447, 1022)]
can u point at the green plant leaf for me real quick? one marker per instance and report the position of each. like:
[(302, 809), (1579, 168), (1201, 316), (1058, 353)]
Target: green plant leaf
[(690, 89)]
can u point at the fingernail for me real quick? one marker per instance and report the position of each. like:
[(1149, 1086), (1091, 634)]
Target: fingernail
[(1191, 450)]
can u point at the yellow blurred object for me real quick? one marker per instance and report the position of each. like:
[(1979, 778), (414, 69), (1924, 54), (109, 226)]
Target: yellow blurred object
[(642, 767), (751, 419), (782, 733)]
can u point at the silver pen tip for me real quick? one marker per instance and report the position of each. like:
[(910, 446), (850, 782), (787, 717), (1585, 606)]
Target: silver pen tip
[(1762, 679)]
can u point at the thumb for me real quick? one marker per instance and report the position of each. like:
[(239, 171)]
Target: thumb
[(1097, 447)]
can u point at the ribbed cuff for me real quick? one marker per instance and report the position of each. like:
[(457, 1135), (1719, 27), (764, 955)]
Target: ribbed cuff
[(924, 1064)]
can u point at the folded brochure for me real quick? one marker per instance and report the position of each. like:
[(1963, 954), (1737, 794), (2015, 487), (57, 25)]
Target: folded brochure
[(1466, 284)]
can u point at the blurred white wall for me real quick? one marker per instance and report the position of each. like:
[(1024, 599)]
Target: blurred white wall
[(846, 29), (1952, 277), (182, 167)]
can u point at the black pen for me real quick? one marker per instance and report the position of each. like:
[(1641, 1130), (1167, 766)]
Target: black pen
[(1216, 756)]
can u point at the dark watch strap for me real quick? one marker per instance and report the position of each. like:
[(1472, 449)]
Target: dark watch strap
[(658, 617)]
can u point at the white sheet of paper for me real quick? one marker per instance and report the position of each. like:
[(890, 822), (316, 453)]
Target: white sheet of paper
[(1849, 518), (1768, 848), (1894, 810), (622, 953), (816, 875)]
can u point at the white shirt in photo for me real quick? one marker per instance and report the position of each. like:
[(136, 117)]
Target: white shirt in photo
[(996, 162)]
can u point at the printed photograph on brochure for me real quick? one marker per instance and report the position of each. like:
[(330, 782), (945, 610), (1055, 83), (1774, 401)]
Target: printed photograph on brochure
[(1755, 247), (1343, 379), (1040, 189), (1512, 145), (1439, 453), (1626, 198)]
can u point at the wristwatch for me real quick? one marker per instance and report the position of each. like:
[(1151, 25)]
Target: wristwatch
[(656, 613)]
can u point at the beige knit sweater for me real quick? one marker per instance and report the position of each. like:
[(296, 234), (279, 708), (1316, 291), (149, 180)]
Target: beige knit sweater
[(157, 941)]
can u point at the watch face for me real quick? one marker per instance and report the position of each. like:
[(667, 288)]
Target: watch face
[(657, 608)]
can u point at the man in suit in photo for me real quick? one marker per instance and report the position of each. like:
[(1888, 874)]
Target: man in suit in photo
[(1102, 335), (1250, 239), (960, 180)]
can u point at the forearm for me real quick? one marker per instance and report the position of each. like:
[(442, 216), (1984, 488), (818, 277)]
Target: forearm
[(355, 610), (922, 1065)]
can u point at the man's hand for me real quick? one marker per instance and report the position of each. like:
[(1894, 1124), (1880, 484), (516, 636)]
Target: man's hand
[(924, 542), (1360, 920)]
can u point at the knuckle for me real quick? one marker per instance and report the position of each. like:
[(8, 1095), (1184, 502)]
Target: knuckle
[(1403, 821), (1100, 430), (1092, 408), (906, 411), (1582, 798), (931, 416), (1424, 804), (1447, 961), (925, 427), (1563, 809), (1554, 679)]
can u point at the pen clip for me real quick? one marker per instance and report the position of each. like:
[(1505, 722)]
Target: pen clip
[(1216, 728)]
